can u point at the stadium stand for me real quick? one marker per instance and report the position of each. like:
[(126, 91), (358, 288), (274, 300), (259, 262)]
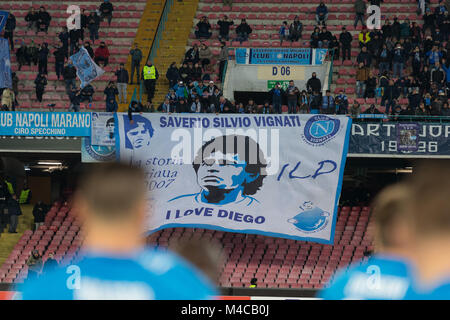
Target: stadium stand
[(119, 37), (276, 262)]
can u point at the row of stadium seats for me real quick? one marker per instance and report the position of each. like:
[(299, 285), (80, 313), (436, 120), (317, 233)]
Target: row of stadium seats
[(276, 262)]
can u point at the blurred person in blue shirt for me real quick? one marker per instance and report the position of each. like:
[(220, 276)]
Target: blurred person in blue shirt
[(387, 275), (115, 264), (431, 203)]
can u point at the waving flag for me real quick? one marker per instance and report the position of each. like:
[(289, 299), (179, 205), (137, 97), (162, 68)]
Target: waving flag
[(5, 65), (87, 69), (3, 18)]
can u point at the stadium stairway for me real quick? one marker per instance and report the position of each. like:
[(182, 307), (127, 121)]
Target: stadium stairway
[(8, 240), (145, 34), (118, 37), (266, 16), (173, 43)]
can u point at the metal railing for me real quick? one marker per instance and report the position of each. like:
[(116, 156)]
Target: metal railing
[(399, 118)]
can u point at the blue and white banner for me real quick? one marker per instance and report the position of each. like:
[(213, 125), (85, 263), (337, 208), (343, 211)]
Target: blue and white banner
[(3, 17), (93, 153), (298, 56), (274, 175), (102, 130), (5, 65), (50, 124), (87, 69)]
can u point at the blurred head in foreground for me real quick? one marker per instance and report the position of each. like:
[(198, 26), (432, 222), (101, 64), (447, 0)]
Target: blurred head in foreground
[(112, 205), (387, 275), (114, 263), (392, 228), (430, 196)]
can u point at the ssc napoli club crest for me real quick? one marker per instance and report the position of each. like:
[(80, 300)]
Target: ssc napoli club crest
[(311, 219), (320, 129), (99, 153)]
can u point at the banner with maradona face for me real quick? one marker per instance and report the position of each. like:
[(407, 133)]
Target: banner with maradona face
[(274, 175)]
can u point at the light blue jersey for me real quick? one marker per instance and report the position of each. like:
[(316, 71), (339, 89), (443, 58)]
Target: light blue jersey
[(439, 291), (145, 275), (380, 278)]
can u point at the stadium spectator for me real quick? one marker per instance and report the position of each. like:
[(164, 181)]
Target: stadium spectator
[(102, 54), (31, 18), (39, 213), (43, 20), (110, 97), (224, 28), (253, 283), (75, 99), (243, 31), (122, 81), (328, 104), (223, 58), (205, 56), (74, 39), (295, 29), (315, 102), (364, 37), (93, 23), (266, 108), (22, 55), (136, 57), (182, 106), (277, 94), (40, 83), (372, 109), (313, 84), (371, 84), (203, 29), (166, 106), (15, 88), (355, 110), (292, 94), (284, 32), (325, 37), (345, 39), (173, 74), (43, 58), (364, 57), (83, 22), (341, 102), (360, 11), (251, 107), (197, 73), (87, 46), (64, 37), (150, 75), (8, 98), (34, 264), (87, 93), (60, 56), (192, 55), (9, 28), (303, 102), (315, 38), (362, 74), (50, 264), (134, 107), (106, 11), (321, 13), (69, 76)]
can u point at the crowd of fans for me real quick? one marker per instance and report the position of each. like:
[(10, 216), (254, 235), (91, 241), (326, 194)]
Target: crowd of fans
[(397, 62), (70, 42)]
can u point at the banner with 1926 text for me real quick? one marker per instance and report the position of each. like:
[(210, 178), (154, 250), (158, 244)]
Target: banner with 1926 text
[(274, 175)]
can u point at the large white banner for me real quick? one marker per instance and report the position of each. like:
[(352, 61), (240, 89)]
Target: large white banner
[(275, 175)]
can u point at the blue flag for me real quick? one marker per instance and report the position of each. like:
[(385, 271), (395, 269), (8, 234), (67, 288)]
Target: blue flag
[(87, 69), (5, 65), (3, 18)]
